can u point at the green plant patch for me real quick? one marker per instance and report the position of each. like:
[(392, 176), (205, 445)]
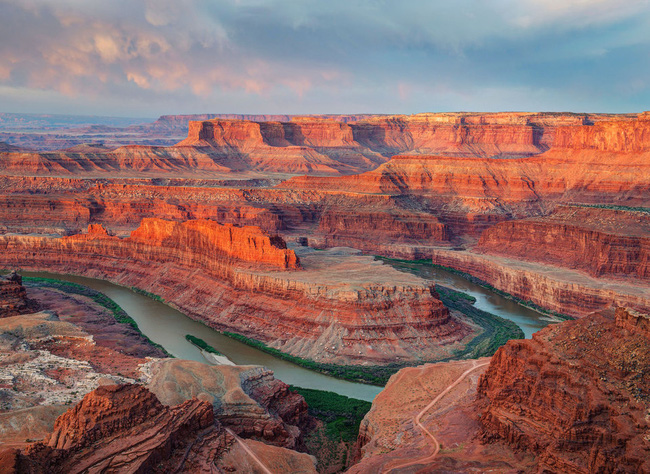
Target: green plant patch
[(373, 375), (201, 344), (342, 415), (148, 294)]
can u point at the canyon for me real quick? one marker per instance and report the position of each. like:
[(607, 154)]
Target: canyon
[(266, 227), (333, 306), (134, 408), (479, 200)]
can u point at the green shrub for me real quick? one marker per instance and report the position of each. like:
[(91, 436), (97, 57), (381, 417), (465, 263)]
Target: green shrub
[(342, 415), (148, 294), (201, 344)]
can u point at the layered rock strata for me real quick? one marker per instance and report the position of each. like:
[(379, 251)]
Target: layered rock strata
[(322, 145), (577, 395), (340, 307), (407, 207), (246, 399), (602, 242), (124, 428)]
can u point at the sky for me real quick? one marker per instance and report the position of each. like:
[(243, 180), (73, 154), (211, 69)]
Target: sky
[(144, 58)]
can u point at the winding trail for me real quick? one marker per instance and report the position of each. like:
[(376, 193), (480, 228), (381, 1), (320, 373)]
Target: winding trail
[(418, 417), (249, 451)]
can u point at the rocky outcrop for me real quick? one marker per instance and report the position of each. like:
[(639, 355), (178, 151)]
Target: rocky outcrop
[(576, 395), (340, 307), (125, 428), (573, 399), (196, 243), (633, 321), (49, 362), (246, 399), (602, 242), (206, 238), (13, 297)]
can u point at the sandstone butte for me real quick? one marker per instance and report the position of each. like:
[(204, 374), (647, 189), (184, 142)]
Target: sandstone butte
[(125, 428), (574, 398), (339, 307)]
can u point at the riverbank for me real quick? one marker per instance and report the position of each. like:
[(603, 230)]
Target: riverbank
[(166, 326), (477, 281), (495, 332), (118, 313)]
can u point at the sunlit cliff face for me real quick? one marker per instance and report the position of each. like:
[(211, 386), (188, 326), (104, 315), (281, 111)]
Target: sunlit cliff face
[(297, 57)]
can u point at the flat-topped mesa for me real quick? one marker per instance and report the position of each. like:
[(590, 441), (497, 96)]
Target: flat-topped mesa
[(234, 134), (203, 239), (454, 134), (341, 145), (247, 135), (574, 165), (613, 136)]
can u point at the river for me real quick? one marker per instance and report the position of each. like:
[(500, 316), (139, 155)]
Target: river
[(168, 327), (527, 319)]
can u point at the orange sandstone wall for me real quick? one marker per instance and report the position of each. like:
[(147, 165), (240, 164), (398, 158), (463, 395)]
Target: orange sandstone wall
[(576, 395), (211, 239), (601, 242), (617, 136)]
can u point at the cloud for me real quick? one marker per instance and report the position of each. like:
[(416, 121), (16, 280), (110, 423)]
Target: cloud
[(307, 55)]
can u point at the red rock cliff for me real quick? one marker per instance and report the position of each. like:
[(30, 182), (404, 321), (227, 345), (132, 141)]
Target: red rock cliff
[(577, 395), (558, 289), (602, 242), (207, 239), (125, 428), (617, 136)]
